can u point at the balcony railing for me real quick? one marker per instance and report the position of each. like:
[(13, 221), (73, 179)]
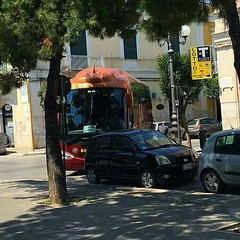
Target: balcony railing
[(77, 63)]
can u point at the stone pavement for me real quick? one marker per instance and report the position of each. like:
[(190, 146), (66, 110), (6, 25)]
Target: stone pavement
[(110, 211)]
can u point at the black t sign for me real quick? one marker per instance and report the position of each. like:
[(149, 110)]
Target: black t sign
[(64, 85)]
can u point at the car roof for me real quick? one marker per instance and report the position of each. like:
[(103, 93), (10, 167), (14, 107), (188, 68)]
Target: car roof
[(226, 132), (166, 121), (201, 118), (126, 132)]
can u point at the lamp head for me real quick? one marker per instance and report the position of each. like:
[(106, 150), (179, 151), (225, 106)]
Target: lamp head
[(185, 31)]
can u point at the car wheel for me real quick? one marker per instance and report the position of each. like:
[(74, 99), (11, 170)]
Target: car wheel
[(92, 176), (212, 182), (148, 180)]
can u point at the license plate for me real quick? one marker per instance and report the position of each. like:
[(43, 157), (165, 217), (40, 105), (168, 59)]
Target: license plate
[(187, 166)]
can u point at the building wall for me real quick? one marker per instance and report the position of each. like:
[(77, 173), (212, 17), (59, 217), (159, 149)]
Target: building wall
[(228, 81), (28, 117)]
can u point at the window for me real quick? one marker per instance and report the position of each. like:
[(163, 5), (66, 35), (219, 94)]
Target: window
[(228, 145), (79, 45), (130, 48), (212, 121), (121, 143), (204, 121), (103, 143)]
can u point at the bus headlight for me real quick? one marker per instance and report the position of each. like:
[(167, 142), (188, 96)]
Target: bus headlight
[(162, 160), (67, 155)]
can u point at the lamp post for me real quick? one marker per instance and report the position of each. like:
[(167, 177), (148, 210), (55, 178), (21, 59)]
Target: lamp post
[(175, 132)]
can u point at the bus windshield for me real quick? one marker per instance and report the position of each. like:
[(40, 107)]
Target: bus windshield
[(96, 110)]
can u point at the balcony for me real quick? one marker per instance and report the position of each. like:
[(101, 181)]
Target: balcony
[(140, 68)]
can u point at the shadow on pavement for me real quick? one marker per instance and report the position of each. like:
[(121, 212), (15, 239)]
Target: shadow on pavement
[(118, 212)]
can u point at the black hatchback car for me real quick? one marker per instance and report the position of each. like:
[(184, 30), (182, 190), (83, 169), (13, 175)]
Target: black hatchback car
[(144, 156)]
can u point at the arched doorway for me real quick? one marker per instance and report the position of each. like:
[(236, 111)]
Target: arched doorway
[(8, 121)]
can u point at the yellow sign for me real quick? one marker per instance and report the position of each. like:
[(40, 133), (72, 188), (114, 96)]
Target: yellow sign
[(201, 63)]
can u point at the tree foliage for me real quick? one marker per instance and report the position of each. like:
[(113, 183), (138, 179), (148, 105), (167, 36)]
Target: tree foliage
[(163, 17), (9, 81), (32, 30), (188, 90), (211, 88)]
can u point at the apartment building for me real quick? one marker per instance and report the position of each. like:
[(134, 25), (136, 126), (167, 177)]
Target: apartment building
[(136, 56), (228, 79)]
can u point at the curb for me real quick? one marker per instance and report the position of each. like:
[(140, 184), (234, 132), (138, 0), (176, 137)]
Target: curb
[(21, 153)]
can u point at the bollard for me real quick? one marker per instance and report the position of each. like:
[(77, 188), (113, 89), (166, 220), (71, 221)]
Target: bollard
[(202, 138)]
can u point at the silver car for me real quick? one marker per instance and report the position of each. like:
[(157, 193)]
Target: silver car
[(219, 163), (5, 142), (207, 125)]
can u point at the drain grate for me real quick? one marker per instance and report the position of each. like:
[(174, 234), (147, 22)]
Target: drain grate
[(235, 228)]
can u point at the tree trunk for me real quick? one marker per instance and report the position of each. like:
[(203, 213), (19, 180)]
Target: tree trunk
[(234, 31), (55, 166), (184, 124)]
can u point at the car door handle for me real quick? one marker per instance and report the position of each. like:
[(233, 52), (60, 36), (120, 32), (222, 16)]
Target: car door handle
[(218, 160)]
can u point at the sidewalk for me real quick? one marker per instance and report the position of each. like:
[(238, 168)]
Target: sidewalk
[(195, 144), (25, 152), (108, 212)]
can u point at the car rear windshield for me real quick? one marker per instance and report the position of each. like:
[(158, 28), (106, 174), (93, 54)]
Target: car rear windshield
[(192, 122), (151, 140)]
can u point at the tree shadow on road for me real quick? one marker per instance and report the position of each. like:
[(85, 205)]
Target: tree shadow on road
[(107, 211)]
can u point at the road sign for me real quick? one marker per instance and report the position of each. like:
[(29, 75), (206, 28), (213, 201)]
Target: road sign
[(64, 85), (201, 63)]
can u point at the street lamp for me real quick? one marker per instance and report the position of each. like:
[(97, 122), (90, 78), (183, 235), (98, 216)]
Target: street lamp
[(175, 132)]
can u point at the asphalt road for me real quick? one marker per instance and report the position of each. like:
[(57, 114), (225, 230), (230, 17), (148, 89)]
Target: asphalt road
[(22, 167), (109, 210), (33, 167)]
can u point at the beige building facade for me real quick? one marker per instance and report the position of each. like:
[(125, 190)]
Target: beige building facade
[(228, 79), (28, 121)]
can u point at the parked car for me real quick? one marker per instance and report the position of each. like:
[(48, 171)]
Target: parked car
[(144, 156), (5, 142), (205, 125), (219, 163), (169, 124)]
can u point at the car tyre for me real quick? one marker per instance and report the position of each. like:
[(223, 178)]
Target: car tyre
[(92, 176), (211, 182), (148, 180)]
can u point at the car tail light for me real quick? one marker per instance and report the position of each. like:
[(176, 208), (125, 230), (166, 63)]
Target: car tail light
[(198, 127)]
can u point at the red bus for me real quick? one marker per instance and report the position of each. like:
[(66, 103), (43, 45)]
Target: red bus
[(101, 100)]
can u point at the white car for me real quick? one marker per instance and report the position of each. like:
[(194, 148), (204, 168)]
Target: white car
[(169, 124)]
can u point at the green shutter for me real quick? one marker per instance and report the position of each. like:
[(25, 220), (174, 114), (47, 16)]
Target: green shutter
[(79, 45), (130, 48)]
